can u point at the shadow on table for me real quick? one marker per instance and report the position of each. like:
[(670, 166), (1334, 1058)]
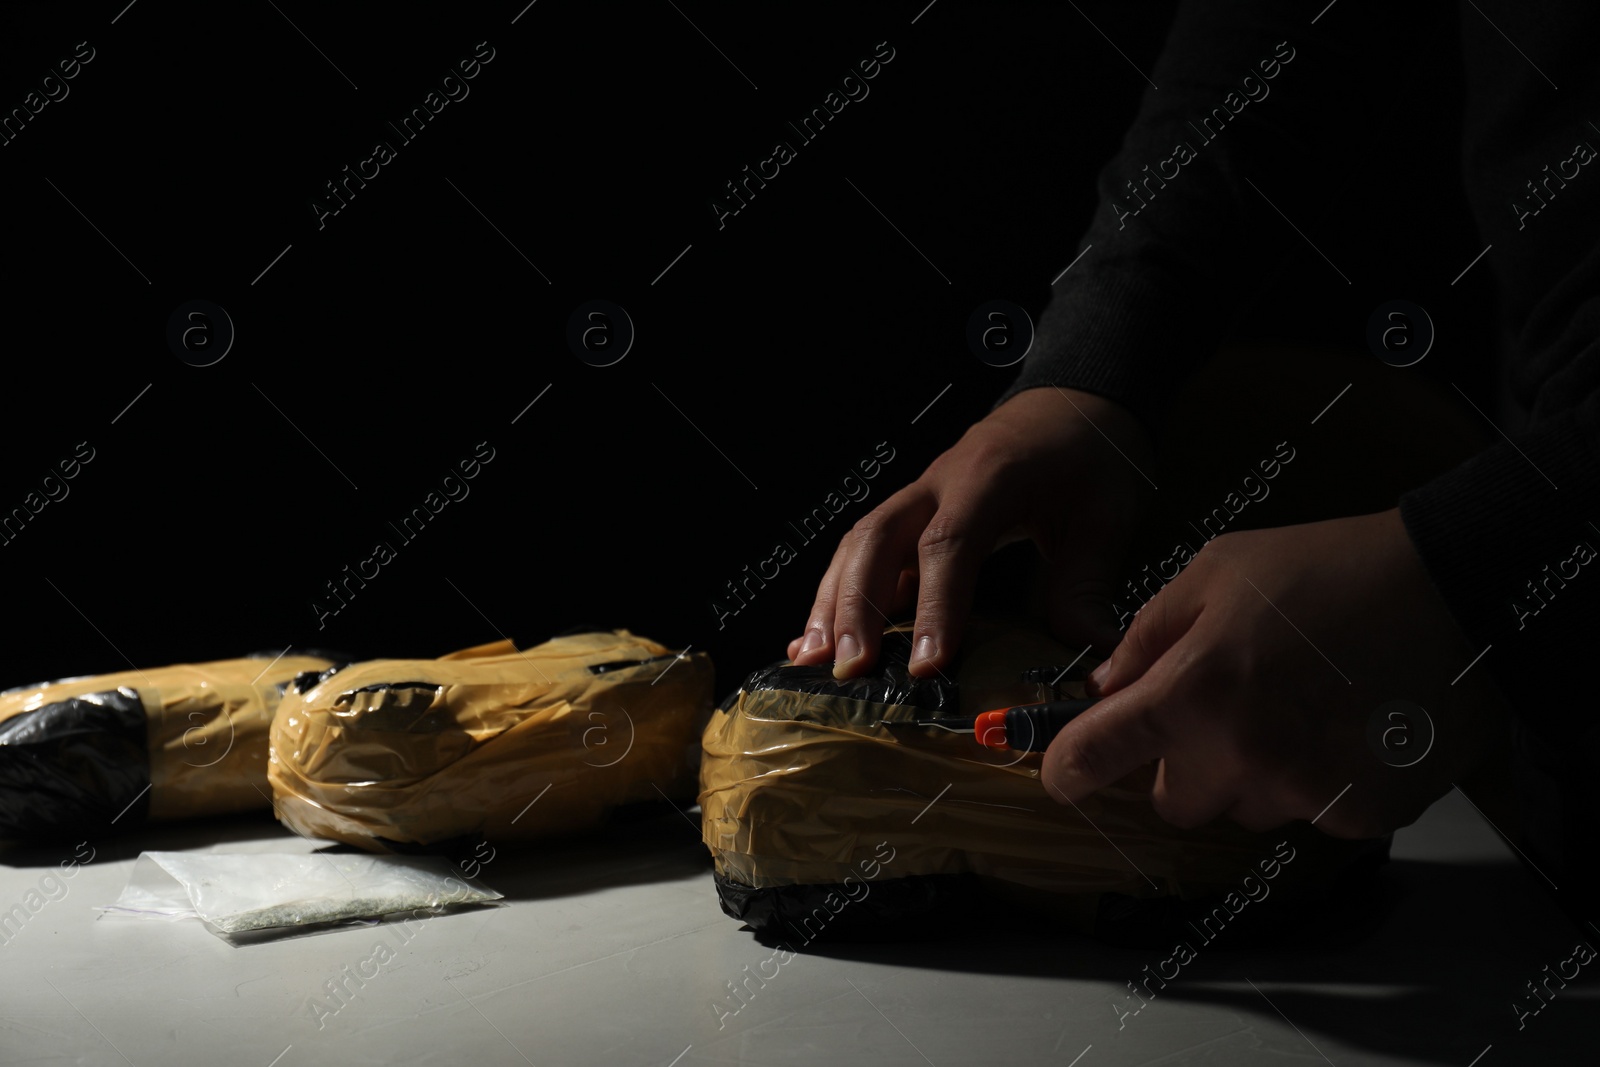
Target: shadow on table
[(641, 844), (1430, 973), (149, 837), (644, 844)]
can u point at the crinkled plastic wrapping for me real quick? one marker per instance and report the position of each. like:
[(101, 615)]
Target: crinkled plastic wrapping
[(237, 894), (390, 755), (109, 751), (804, 792)]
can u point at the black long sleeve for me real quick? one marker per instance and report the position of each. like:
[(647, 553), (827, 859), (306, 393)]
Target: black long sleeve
[(1197, 205)]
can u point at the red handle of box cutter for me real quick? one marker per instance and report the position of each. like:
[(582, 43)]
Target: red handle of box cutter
[(1029, 727)]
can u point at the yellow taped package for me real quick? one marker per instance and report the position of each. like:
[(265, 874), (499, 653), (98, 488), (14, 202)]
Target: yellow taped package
[(492, 742), (808, 796), (107, 752)]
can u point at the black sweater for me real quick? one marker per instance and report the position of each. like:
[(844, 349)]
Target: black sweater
[(1256, 102)]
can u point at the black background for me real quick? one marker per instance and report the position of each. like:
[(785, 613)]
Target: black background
[(407, 330)]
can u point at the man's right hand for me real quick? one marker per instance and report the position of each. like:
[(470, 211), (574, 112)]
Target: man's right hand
[(1058, 466)]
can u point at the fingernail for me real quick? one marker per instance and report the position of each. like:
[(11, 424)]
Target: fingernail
[(924, 651), (1099, 675), (846, 650), (814, 640)]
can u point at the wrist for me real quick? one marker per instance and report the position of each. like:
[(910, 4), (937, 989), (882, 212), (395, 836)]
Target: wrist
[(1100, 416)]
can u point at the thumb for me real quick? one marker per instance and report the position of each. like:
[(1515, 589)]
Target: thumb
[(1157, 626), (1113, 738)]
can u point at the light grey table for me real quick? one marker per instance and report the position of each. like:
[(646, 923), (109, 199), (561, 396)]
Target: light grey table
[(613, 951)]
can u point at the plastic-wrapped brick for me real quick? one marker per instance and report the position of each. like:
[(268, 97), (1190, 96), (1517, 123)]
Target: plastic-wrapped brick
[(397, 755), (108, 752), (828, 822)]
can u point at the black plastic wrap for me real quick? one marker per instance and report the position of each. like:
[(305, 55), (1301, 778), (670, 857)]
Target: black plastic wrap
[(890, 681), (933, 906), (74, 766), (921, 908)]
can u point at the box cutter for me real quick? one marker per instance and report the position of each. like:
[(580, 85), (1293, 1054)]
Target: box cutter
[(1027, 727)]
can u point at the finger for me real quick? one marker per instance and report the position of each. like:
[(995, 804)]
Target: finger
[(1354, 812), (950, 553), (816, 644), (1359, 826), (1142, 777), (1266, 799), (1191, 792), (1257, 814), (905, 593), (904, 599), (1110, 740), (880, 547), (1156, 628)]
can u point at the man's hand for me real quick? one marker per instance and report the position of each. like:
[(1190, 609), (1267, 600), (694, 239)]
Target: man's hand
[(1054, 465), (1253, 675)]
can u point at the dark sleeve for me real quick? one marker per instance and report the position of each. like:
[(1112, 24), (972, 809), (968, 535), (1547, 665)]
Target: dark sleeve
[(1250, 103), (1510, 537), (1510, 540)]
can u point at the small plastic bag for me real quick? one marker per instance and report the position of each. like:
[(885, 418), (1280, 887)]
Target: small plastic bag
[(278, 893)]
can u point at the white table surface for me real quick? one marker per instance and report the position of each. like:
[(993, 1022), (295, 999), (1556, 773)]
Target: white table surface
[(614, 951)]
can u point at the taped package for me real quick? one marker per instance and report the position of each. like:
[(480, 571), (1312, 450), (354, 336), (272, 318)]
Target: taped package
[(105, 753), (396, 755), (827, 821)]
